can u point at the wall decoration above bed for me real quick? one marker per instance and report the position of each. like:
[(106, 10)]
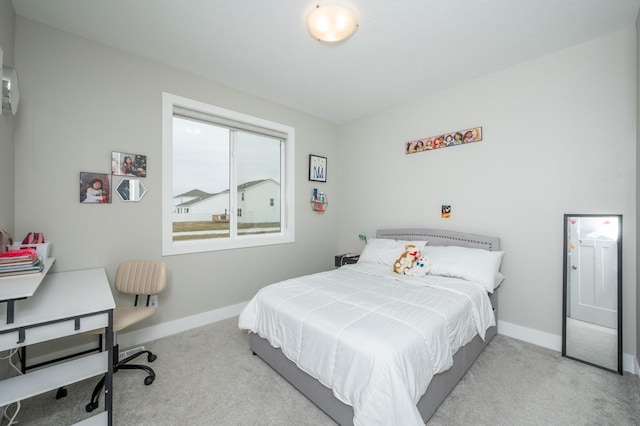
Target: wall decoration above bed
[(460, 137)]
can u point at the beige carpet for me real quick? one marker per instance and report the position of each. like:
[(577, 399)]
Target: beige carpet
[(208, 376)]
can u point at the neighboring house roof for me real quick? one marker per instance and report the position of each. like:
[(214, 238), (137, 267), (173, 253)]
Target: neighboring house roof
[(194, 193), (201, 195), (194, 201), (247, 185)]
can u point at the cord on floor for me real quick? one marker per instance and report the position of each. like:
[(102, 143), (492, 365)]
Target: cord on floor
[(5, 412)]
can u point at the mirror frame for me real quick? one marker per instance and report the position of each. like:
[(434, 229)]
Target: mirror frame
[(565, 288), (142, 190)]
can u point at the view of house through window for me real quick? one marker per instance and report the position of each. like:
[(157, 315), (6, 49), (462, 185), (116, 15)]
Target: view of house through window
[(258, 159), (228, 181), (201, 178)]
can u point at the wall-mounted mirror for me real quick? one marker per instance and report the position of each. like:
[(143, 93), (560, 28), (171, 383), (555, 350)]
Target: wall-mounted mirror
[(131, 190), (592, 298)]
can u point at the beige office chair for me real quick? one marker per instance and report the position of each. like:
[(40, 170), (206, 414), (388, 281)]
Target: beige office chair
[(139, 278)]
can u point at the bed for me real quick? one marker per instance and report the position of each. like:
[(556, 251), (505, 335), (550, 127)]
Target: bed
[(356, 356)]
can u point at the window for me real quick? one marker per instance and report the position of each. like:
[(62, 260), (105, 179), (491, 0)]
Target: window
[(220, 169)]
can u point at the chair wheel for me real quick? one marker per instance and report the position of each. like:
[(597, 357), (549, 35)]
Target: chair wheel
[(152, 357), (62, 392), (148, 380), (91, 406)]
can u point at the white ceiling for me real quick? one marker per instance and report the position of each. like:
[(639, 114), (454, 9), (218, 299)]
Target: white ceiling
[(403, 49)]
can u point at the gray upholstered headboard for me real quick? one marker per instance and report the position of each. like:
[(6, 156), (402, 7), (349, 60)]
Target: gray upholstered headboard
[(441, 237)]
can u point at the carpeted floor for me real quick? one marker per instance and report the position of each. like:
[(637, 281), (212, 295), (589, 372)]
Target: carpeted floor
[(208, 376)]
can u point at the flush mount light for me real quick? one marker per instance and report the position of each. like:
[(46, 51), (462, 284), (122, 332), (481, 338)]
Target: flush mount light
[(332, 22)]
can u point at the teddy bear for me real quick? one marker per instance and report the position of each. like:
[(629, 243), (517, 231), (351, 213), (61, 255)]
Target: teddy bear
[(420, 267), (406, 259)]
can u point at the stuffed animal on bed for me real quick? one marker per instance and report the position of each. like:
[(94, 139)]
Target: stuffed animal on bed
[(420, 267), (406, 259)]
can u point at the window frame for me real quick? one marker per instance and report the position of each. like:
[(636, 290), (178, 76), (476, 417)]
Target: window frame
[(287, 182)]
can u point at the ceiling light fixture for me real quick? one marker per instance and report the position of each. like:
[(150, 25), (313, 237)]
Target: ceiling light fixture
[(332, 22)]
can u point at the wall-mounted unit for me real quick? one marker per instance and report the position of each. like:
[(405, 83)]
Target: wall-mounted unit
[(10, 89), (319, 201)]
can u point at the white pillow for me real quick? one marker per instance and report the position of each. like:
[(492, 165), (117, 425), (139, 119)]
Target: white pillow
[(384, 251), (481, 266)]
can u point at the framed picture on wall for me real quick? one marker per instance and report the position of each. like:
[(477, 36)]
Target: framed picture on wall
[(95, 188), (128, 164), (317, 168)]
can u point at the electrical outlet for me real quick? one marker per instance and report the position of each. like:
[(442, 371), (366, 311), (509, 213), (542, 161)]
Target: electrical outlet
[(153, 301)]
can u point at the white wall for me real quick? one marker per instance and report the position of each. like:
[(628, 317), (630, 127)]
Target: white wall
[(559, 137), (80, 102)]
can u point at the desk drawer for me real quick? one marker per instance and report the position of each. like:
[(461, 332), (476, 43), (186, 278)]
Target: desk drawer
[(54, 330)]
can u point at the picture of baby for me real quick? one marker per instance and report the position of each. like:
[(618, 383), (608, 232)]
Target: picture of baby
[(95, 188)]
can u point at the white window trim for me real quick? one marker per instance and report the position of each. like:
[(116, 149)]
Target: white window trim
[(287, 228)]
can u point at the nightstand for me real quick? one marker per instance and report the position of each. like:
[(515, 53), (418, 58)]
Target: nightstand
[(346, 259)]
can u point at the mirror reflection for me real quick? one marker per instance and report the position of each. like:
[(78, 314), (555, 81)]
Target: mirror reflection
[(131, 190), (592, 290)]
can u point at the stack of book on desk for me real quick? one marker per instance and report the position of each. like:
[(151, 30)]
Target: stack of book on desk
[(20, 262)]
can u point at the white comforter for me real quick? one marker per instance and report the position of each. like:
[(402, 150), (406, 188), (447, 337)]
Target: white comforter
[(374, 337)]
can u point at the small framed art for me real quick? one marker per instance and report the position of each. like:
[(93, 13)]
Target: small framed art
[(317, 168), (95, 188), (128, 164)]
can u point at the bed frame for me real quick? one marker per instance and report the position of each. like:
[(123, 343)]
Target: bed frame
[(440, 385)]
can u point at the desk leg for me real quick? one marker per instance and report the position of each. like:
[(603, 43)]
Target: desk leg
[(10, 311), (11, 308), (108, 383)]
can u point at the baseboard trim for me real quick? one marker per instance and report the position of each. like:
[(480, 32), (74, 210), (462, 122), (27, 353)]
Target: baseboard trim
[(554, 342), (530, 335), (144, 335)]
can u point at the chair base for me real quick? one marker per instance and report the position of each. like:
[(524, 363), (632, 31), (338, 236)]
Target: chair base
[(122, 365)]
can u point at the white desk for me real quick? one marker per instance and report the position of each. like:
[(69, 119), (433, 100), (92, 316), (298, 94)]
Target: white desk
[(21, 287), (65, 303)]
